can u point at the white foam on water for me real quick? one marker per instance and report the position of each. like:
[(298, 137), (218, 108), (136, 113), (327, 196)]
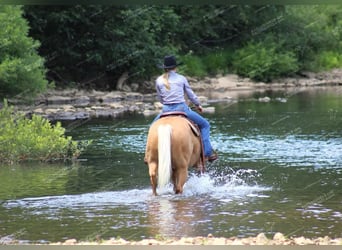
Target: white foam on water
[(223, 186), (226, 191)]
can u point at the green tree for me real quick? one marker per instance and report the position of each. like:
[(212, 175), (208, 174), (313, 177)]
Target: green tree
[(22, 70), (311, 31), (94, 45), (264, 61)]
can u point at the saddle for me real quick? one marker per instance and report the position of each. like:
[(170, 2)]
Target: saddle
[(194, 128)]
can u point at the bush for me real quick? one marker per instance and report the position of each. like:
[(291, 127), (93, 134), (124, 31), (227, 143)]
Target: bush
[(218, 62), (326, 60), (264, 61), (21, 68), (193, 66), (23, 139)]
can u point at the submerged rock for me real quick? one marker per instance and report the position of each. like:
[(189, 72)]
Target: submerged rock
[(264, 99)]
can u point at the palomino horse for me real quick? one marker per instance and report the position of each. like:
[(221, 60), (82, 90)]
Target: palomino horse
[(172, 147)]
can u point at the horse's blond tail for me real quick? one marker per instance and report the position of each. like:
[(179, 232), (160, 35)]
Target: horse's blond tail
[(164, 155)]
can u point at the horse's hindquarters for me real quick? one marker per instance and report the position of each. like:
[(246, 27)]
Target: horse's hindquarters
[(183, 150)]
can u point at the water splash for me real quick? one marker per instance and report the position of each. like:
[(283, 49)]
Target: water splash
[(225, 184)]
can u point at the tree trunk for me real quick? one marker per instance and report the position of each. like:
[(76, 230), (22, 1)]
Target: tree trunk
[(121, 81)]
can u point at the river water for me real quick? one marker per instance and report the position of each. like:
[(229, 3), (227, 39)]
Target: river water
[(280, 170)]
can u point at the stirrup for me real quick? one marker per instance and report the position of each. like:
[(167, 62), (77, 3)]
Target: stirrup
[(213, 157)]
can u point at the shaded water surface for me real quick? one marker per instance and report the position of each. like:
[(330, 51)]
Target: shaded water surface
[(280, 169)]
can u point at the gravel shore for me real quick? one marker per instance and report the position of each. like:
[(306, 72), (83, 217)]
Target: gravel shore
[(260, 239), (74, 104)]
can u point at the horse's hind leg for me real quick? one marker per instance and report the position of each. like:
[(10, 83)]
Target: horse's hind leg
[(153, 168), (174, 179), (182, 175)]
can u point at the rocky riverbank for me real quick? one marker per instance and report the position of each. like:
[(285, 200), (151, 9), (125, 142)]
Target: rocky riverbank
[(260, 239), (73, 104)]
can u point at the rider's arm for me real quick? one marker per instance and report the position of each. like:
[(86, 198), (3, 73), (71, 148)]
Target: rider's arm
[(192, 96)]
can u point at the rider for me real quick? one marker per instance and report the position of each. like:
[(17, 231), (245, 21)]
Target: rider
[(170, 90)]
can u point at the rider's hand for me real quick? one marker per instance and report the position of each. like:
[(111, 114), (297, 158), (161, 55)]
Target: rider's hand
[(199, 108)]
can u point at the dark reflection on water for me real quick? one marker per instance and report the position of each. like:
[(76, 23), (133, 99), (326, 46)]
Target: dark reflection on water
[(280, 169)]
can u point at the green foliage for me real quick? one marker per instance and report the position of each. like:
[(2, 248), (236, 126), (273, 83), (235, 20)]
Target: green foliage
[(263, 61), (311, 31), (34, 139), (193, 66), (91, 46), (21, 68), (219, 61), (326, 60)]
